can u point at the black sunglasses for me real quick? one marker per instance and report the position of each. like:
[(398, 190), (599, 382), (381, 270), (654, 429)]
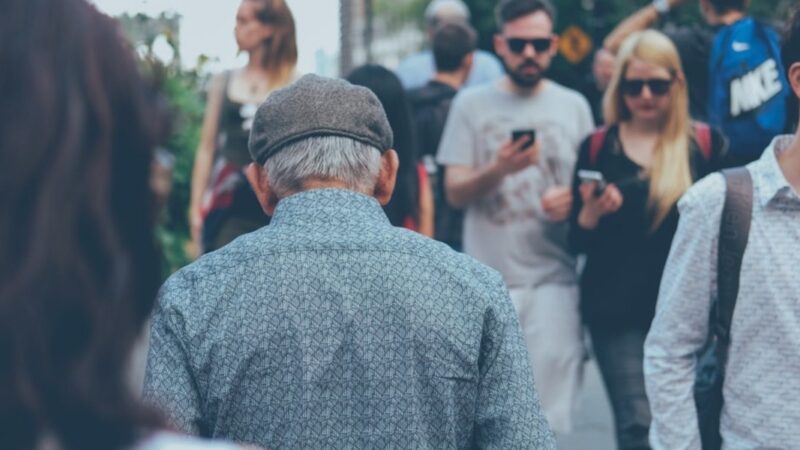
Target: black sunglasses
[(634, 87), (517, 45)]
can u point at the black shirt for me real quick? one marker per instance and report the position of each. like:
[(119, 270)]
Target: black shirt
[(430, 105), (694, 47), (624, 258)]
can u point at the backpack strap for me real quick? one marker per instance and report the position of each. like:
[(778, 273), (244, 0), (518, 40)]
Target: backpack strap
[(734, 231), (702, 134), (596, 142)]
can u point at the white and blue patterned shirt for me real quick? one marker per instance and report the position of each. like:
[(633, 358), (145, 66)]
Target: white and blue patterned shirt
[(330, 328), (762, 378)]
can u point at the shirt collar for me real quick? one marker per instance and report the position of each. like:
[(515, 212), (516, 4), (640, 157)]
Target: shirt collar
[(771, 183), (329, 207)]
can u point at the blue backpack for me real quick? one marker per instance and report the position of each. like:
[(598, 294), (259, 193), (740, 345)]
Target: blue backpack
[(747, 87)]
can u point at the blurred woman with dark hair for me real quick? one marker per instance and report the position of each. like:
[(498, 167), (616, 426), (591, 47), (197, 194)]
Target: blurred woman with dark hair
[(412, 203), (79, 267), (223, 206)]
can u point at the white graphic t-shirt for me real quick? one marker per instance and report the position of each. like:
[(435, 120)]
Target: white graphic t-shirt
[(507, 228)]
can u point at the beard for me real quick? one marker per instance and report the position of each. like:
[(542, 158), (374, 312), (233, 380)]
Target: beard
[(525, 80)]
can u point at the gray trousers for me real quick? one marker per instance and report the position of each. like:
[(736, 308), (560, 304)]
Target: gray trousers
[(620, 358)]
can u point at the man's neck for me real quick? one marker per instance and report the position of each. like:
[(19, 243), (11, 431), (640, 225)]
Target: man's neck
[(508, 84), (789, 161), (454, 80)]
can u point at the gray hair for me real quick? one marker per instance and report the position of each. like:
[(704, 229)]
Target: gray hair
[(444, 11), (324, 158)]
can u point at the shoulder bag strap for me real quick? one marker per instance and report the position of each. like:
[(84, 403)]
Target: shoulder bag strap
[(733, 235), (596, 143)]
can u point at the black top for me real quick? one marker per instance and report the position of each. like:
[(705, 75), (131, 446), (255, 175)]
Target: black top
[(694, 47), (430, 105), (235, 119), (624, 258)]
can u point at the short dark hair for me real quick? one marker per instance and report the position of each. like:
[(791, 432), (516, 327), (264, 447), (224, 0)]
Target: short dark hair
[(452, 42), (508, 10), (790, 54), (723, 6)]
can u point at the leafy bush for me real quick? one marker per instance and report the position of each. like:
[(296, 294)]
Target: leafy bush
[(183, 91)]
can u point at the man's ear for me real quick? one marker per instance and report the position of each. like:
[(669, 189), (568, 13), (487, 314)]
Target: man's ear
[(468, 62), (554, 46), (387, 177), (794, 78), (259, 181), (500, 46)]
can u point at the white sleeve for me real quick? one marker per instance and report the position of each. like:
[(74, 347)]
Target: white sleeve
[(680, 327), (585, 120), (458, 146)]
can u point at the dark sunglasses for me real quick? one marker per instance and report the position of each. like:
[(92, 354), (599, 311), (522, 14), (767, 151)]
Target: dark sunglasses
[(657, 86), (517, 45)]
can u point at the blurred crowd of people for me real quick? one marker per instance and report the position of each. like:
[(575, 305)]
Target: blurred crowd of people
[(408, 258)]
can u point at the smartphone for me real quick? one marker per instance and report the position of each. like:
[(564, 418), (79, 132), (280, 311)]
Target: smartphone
[(593, 176), (517, 134)]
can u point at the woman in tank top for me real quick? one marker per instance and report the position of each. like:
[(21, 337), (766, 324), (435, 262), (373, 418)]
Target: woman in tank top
[(223, 206)]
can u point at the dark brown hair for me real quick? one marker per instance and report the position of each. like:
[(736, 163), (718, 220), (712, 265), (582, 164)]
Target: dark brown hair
[(79, 265), (280, 50), (389, 90), (790, 54), (508, 10), (452, 42)]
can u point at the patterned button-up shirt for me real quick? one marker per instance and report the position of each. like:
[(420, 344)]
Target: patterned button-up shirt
[(762, 379), (330, 328)]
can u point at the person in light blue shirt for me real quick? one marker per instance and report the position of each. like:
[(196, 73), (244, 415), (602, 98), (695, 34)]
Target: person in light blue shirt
[(329, 328), (419, 68)]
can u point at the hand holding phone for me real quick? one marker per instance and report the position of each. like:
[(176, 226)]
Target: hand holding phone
[(518, 134), (599, 198), (596, 177)]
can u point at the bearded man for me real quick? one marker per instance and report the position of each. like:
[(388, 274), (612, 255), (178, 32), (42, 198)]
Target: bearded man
[(517, 196)]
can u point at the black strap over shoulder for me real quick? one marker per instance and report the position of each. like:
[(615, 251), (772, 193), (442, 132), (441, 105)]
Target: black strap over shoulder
[(734, 231)]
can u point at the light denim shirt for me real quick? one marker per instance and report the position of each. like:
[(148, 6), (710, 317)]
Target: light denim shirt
[(330, 328), (417, 69), (762, 386)]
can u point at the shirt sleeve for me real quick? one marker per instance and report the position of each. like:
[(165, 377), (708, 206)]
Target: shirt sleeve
[(415, 70), (508, 412), (169, 383), (579, 238), (680, 328), (585, 119), (458, 146)]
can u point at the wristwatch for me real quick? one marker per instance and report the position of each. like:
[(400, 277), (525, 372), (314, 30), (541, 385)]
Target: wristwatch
[(662, 6)]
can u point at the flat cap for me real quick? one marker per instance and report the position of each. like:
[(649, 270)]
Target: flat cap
[(318, 106)]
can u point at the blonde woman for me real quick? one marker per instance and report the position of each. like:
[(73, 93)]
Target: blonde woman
[(223, 206), (647, 156)]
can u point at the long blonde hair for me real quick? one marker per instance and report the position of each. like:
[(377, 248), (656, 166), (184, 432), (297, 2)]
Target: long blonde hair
[(670, 174), (280, 49)]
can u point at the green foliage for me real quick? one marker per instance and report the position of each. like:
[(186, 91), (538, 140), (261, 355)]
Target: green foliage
[(182, 90), (397, 13)]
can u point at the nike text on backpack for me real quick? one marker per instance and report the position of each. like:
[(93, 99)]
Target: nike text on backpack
[(747, 87)]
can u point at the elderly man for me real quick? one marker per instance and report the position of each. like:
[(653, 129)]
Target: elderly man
[(329, 328)]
